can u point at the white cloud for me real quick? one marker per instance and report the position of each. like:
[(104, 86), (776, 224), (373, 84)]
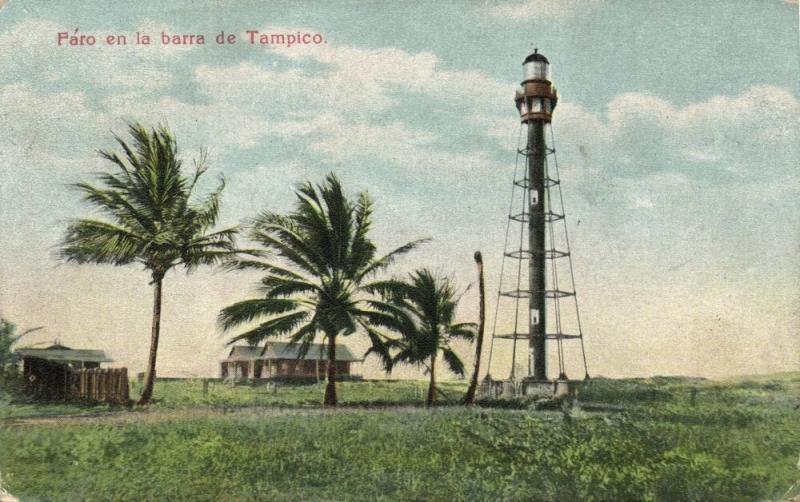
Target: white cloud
[(418, 153), (395, 68), (220, 124), (340, 96), (540, 9), (352, 80), (342, 140), (643, 203), (29, 51), (60, 124)]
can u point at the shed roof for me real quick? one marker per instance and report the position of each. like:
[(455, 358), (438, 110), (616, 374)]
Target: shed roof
[(63, 354)]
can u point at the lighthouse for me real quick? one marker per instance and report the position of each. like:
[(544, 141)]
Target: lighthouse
[(536, 99), (537, 306)]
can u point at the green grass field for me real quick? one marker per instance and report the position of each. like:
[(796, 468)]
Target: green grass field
[(182, 394), (735, 440)]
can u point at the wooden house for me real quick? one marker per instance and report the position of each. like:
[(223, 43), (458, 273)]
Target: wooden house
[(281, 359)]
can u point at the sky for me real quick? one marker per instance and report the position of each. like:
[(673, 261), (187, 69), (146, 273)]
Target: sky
[(677, 131)]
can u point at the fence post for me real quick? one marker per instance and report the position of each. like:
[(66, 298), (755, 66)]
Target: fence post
[(114, 385), (125, 388), (100, 384), (117, 385), (205, 387)]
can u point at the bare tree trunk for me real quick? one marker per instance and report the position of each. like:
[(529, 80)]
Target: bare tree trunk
[(432, 385), (147, 391), (469, 398), (330, 388)]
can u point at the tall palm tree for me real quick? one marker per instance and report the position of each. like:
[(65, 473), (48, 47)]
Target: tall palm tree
[(469, 397), (153, 218), (427, 303), (318, 261)]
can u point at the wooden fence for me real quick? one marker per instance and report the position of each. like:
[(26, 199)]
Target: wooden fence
[(99, 384)]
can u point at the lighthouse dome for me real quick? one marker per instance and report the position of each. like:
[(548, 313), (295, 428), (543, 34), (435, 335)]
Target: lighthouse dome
[(536, 67), (535, 56)]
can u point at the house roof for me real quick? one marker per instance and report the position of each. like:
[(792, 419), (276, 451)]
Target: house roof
[(62, 353), (244, 353), (285, 350)]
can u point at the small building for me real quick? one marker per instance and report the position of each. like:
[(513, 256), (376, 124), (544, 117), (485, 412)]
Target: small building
[(47, 369), (281, 359), (242, 362)]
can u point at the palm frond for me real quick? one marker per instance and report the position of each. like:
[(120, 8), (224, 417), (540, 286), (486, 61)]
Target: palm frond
[(453, 361), (248, 310), (465, 330), (362, 249), (92, 241), (392, 318), (206, 213), (389, 258), (305, 336), (286, 242), (278, 326), (380, 345), (276, 286), (392, 288)]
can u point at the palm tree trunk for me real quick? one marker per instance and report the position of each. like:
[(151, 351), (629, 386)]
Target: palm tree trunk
[(330, 388), (147, 391), (469, 398), (432, 385)]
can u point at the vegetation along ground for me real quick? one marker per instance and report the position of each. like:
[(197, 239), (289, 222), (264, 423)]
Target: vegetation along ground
[(633, 439)]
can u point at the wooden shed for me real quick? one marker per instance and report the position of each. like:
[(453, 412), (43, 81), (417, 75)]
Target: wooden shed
[(47, 370)]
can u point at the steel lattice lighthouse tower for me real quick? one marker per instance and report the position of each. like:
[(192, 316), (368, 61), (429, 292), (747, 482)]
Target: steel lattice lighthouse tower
[(538, 290), (536, 100)]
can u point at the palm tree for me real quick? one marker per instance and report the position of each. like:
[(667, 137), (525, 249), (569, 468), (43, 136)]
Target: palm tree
[(469, 397), (8, 337), (427, 303), (153, 218), (317, 262)]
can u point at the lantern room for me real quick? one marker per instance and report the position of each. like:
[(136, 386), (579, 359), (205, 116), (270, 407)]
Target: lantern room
[(536, 97), (536, 67)]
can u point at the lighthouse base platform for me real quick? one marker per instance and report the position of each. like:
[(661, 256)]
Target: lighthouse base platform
[(545, 388), (527, 387)]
